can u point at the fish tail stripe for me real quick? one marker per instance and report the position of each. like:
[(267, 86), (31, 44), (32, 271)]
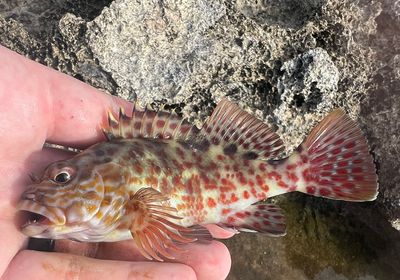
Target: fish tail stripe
[(230, 125), (339, 165)]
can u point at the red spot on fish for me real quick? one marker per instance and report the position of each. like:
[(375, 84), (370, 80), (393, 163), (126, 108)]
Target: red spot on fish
[(259, 180), (220, 157), (234, 198), (291, 166), (211, 202), (251, 171), (306, 175), (225, 211), (357, 170), (261, 196), (215, 141), (137, 125), (180, 152), (184, 129), (160, 123), (292, 177), (151, 181), (231, 220), (324, 192), (262, 167), (350, 145), (274, 175), (267, 223), (349, 155), (176, 180), (251, 183), (282, 184), (240, 215), (164, 185), (304, 158), (236, 167), (210, 186), (246, 195), (138, 169)]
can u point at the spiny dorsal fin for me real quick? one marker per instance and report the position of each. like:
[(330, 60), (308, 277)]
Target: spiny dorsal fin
[(238, 131), (153, 227), (263, 218), (145, 123)]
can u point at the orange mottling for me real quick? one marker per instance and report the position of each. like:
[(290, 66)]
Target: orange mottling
[(138, 169), (211, 202), (246, 195), (151, 181), (180, 206), (99, 215), (91, 208)]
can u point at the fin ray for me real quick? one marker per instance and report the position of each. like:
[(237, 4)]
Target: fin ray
[(152, 228), (239, 132), (340, 165), (263, 218), (146, 123)]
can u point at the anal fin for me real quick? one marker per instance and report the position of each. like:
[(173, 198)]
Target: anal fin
[(263, 218)]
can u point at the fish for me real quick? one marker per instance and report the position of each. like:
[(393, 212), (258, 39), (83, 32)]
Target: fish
[(158, 180)]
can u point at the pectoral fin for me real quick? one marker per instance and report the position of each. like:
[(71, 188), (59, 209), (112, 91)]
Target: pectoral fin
[(154, 226)]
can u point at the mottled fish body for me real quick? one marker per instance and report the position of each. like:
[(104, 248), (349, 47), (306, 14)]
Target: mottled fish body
[(157, 179)]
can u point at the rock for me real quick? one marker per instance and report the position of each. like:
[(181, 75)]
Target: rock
[(153, 47)]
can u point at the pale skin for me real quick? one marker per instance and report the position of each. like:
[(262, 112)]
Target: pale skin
[(38, 104)]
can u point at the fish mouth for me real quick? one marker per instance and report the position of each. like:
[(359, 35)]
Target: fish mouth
[(39, 218)]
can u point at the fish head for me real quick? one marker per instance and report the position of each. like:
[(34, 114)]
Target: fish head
[(70, 199)]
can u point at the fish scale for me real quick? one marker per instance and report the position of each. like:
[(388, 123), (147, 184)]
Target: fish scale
[(158, 179)]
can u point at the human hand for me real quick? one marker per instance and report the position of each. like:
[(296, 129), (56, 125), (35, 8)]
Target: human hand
[(38, 104)]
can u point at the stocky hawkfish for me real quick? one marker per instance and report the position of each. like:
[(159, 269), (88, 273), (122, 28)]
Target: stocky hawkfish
[(157, 179)]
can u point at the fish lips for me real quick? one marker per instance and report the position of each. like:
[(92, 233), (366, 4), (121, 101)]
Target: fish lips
[(40, 217)]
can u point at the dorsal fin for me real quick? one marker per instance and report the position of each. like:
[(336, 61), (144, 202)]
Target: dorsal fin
[(145, 123), (239, 132)]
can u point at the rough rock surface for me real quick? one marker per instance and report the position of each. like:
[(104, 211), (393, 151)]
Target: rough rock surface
[(287, 61)]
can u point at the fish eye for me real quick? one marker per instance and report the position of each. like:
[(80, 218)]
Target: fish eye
[(62, 177)]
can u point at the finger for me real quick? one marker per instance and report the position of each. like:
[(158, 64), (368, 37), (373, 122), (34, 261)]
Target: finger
[(43, 103), (39, 265), (209, 261)]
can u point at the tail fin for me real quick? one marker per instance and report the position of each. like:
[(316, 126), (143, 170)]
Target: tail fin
[(338, 162)]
